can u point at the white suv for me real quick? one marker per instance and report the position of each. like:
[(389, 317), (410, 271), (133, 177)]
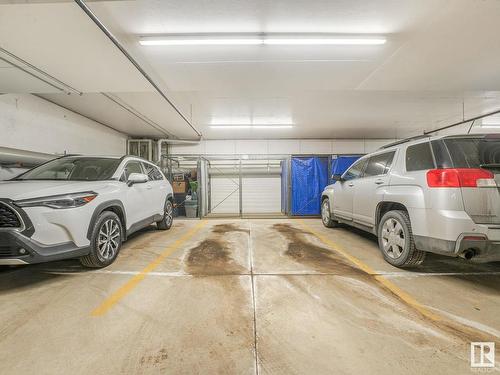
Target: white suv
[(431, 194), (80, 207)]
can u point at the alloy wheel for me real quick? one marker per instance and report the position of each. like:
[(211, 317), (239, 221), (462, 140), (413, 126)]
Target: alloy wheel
[(169, 214), (109, 239), (393, 238), (325, 212)]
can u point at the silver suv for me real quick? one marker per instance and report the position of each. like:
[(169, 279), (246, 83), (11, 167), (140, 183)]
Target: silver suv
[(428, 194)]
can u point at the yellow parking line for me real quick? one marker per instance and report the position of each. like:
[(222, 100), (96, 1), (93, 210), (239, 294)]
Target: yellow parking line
[(134, 281), (405, 297)]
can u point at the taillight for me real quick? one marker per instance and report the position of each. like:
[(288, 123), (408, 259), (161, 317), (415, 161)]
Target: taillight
[(458, 177)]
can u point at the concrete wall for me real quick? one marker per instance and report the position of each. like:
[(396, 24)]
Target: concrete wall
[(282, 147), (31, 123)]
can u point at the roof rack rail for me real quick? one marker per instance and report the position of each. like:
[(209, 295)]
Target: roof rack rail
[(401, 141)]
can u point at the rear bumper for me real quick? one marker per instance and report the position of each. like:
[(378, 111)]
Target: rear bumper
[(484, 250), (15, 249)]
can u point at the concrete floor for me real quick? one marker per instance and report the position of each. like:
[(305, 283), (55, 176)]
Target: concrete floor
[(245, 297)]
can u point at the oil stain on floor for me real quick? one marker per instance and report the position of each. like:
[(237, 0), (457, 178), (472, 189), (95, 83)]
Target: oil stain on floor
[(366, 286), (318, 258), (213, 255)]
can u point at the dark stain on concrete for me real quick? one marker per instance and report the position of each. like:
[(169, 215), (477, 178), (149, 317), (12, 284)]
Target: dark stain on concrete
[(317, 257), (211, 257), (227, 228), (154, 359), (327, 261)]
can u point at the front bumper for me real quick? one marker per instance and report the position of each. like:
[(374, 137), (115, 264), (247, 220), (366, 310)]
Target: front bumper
[(15, 248)]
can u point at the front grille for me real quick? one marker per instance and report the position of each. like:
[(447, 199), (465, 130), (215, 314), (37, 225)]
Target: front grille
[(8, 252), (8, 218)]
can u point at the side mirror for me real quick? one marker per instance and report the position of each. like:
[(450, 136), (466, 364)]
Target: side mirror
[(137, 178), (337, 177)]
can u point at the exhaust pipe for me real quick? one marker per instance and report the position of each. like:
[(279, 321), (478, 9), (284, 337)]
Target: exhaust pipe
[(467, 254)]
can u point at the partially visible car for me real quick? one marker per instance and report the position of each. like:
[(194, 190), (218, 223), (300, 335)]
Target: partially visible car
[(436, 194), (80, 207)]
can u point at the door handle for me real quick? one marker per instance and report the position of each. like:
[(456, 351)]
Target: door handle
[(379, 182), (149, 187), (351, 184)]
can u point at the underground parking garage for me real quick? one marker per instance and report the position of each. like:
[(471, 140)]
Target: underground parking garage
[(266, 187)]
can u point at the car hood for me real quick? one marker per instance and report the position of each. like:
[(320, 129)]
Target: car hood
[(16, 190)]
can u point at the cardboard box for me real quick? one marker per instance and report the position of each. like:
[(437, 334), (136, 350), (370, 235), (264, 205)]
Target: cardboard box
[(179, 186)]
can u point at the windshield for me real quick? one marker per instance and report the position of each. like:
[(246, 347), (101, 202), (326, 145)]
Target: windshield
[(74, 169), (467, 152)]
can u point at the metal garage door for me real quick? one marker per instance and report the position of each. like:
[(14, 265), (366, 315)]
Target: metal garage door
[(224, 195), (261, 195), (245, 186)]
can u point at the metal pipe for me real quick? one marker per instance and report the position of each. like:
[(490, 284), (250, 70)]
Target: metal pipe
[(23, 158), (180, 141), (173, 141), (462, 122), (135, 113), (114, 40), (31, 69), (78, 113), (244, 171)]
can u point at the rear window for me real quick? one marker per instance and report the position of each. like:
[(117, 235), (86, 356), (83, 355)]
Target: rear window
[(471, 152), (419, 157)]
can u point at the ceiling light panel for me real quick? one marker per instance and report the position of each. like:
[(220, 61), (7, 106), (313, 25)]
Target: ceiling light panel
[(491, 122), (260, 39), (256, 126)]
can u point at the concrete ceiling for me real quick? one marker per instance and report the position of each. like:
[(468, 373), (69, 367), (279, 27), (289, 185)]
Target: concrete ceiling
[(439, 65)]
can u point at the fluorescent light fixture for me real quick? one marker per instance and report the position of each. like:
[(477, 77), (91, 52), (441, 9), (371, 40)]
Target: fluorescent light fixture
[(199, 42), (325, 41), (260, 39), (492, 122), (255, 126)]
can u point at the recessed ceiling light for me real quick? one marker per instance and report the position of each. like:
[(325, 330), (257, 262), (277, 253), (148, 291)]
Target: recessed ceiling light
[(260, 39)]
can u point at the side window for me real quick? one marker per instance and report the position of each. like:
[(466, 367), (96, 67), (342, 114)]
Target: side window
[(356, 171), (153, 173), (131, 167), (419, 157), (379, 164)]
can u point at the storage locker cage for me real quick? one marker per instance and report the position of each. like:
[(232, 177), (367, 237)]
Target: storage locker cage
[(255, 185)]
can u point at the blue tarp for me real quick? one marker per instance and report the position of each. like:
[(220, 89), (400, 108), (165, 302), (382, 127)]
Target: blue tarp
[(341, 163), (309, 178)]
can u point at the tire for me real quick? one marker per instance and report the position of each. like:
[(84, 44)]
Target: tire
[(168, 217), (395, 239), (326, 214), (106, 241)]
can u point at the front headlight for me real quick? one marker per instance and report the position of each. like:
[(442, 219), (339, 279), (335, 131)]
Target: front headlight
[(59, 201)]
